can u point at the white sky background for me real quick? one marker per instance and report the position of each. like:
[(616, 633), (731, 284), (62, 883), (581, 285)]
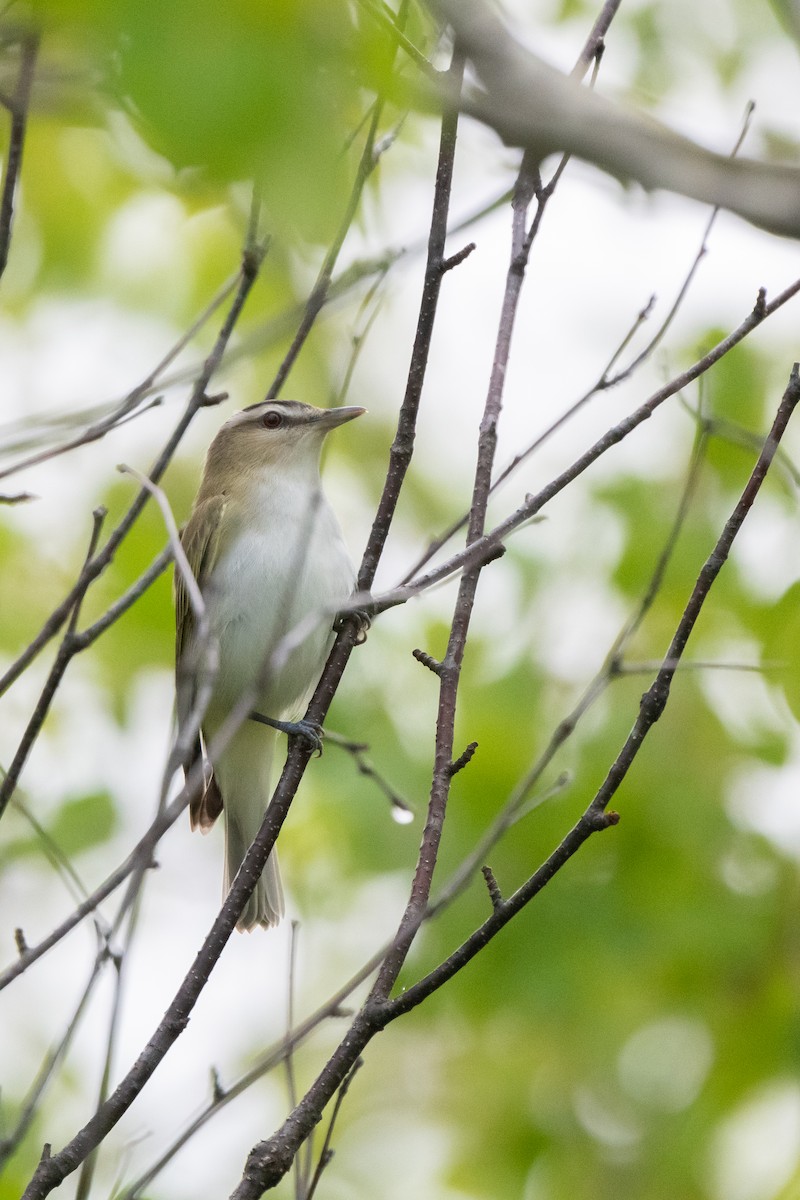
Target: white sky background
[(601, 254)]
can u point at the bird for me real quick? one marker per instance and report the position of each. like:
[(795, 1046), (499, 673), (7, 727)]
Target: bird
[(269, 557)]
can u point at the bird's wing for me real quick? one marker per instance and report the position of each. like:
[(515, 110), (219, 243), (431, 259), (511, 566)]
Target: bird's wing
[(201, 541)]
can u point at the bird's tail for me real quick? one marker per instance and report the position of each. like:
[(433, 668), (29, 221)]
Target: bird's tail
[(243, 776)]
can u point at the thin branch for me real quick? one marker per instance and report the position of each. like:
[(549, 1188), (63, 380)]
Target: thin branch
[(178, 553), (597, 816), (605, 380), (326, 1153), (402, 811), (46, 1073), (527, 186), (610, 381), (269, 1160), (92, 632), (64, 655), (288, 1062), (18, 106), (17, 497), (402, 447), (134, 403), (53, 1169), (367, 314), (319, 292), (647, 666), (533, 504), (331, 1009), (738, 435), (87, 1171), (520, 801), (142, 854), (97, 563), (64, 868), (384, 16)]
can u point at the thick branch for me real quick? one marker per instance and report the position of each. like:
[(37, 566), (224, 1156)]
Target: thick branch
[(530, 104), (271, 1159), (403, 445)]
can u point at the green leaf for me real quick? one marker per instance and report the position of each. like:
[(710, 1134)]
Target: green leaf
[(84, 822)]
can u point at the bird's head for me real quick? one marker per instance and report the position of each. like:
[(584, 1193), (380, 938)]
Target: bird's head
[(273, 435)]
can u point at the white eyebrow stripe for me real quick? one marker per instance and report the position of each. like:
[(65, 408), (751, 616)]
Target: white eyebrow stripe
[(295, 412)]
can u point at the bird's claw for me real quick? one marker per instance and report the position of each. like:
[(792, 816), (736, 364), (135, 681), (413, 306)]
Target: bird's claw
[(307, 731), (362, 620)]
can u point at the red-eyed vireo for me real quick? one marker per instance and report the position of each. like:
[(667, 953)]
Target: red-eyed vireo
[(269, 557)]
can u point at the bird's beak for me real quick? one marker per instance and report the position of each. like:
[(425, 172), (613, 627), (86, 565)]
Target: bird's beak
[(330, 418)]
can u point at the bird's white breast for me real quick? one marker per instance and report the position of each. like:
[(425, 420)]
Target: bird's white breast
[(284, 564)]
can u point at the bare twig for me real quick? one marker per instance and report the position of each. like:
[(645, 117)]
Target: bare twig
[(96, 563), (51, 1063), (597, 816), (119, 960), (527, 185), (66, 650), (608, 380), (319, 292), (403, 445), (326, 1153), (388, 20), (53, 1169), (288, 1062), (65, 869), (178, 553), (142, 854), (92, 632), (533, 504), (521, 801), (269, 1160), (18, 106), (136, 401), (605, 380), (332, 1008), (401, 809)]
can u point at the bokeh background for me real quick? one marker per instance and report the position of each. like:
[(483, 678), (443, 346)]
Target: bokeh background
[(635, 1032)]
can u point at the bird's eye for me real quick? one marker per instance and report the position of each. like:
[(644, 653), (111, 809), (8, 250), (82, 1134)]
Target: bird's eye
[(272, 420)]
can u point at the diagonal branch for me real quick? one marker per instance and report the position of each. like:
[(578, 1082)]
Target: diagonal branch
[(527, 185), (492, 541), (532, 105), (52, 1169), (654, 702), (18, 106), (597, 817), (97, 562)]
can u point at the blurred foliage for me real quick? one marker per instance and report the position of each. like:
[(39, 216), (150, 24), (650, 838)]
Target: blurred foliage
[(671, 939), (79, 824)]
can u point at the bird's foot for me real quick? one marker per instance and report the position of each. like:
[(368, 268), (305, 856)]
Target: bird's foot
[(307, 731), (363, 622)]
